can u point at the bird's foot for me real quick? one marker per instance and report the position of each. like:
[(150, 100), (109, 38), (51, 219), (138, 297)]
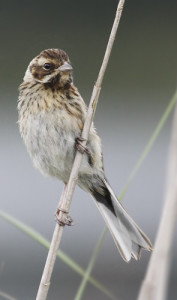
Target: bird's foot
[(80, 147), (64, 219)]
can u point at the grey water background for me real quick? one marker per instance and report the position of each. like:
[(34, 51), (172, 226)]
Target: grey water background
[(139, 82)]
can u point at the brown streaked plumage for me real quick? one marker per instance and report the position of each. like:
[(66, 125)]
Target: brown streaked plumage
[(51, 119)]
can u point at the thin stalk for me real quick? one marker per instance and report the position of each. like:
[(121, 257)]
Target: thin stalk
[(60, 254), (155, 283), (65, 200)]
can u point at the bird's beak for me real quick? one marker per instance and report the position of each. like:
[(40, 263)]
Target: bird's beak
[(65, 67)]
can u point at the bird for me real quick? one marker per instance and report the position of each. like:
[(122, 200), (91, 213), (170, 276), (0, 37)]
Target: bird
[(51, 116)]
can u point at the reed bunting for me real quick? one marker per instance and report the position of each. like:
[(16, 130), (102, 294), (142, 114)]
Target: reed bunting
[(51, 118)]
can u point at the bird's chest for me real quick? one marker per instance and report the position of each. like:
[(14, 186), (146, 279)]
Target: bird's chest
[(50, 140)]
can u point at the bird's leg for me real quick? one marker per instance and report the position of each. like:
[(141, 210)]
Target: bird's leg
[(63, 218), (80, 147)]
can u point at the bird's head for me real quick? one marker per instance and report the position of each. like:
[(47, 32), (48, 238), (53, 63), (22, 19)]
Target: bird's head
[(51, 66)]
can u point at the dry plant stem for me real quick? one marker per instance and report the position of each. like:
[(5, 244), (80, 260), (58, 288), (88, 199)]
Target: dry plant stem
[(155, 282), (45, 280), (66, 197)]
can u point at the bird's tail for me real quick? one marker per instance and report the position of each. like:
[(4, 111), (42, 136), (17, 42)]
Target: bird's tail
[(129, 238)]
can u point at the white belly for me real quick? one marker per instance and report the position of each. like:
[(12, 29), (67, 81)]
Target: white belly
[(50, 145)]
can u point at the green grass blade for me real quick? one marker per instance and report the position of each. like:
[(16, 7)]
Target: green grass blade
[(149, 143), (6, 296), (129, 180), (82, 286), (65, 258)]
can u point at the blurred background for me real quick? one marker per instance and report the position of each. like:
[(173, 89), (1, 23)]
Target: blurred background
[(139, 82)]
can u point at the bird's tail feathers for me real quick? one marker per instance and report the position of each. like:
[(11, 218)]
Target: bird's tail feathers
[(128, 237)]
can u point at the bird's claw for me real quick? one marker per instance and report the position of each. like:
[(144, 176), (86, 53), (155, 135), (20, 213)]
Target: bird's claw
[(64, 219), (80, 147)]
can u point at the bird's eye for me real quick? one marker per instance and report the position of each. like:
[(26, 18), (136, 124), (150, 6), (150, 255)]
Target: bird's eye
[(47, 66)]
